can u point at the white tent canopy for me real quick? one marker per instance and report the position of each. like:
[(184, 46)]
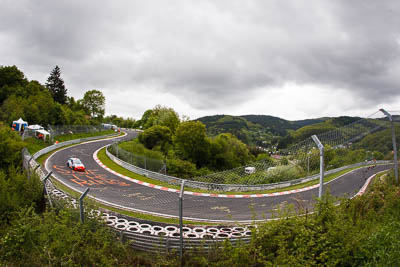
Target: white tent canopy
[(44, 133), (35, 127), (20, 121)]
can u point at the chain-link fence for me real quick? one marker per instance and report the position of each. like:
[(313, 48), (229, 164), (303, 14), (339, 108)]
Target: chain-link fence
[(141, 234), (300, 160), (56, 130), (145, 163)]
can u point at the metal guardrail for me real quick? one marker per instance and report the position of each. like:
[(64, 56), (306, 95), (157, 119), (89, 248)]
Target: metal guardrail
[(167, 244), (66, 143), (229, 187), (139, 241)]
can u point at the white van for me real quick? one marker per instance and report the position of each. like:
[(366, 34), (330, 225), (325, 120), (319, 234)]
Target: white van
[(249, 170)]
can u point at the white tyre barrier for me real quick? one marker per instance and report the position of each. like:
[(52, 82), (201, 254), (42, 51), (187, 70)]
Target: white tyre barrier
[(212, 230), (247, 233), (124, 221), (94, 213), (191, 235), (174, 234), (161, 233), (146, 231), (157, 228), (110, 222), (133, 223), (114, 218), (134, 229), (145, 226), (186, 229), (236, 234), (58, 194), (199, 230), (171, 228), (222, 235), (207, 236), (120, 226), (239, 229), (225, 230)]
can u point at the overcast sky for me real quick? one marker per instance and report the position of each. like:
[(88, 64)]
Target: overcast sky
[(291, 59)]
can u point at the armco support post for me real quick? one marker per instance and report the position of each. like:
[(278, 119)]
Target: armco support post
[(181, 221), (81, 203), (45, 189), (321, 164), (396, 164)]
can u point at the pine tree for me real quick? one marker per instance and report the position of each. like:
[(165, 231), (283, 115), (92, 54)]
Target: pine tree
[(55, 84)]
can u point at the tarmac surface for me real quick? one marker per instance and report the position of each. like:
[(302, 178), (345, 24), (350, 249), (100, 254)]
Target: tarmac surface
[(110, 188)]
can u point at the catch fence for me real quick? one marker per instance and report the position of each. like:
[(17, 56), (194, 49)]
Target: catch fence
[(140, 234), (296, 164), (149, 164)]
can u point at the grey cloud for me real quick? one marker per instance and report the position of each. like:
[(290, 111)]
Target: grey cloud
[(211, 53)]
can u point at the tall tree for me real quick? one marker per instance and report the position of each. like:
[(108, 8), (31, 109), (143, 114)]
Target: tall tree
[(191, 142), (11, 80), (55, 84), (94, 102)]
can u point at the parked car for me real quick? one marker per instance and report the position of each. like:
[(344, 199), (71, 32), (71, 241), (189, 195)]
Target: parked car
[(75, 164)]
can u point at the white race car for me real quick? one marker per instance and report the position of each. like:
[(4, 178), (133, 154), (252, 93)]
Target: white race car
[(75, 164)]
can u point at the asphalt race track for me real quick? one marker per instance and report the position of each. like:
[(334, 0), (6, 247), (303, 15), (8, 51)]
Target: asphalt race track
[(111, 188)]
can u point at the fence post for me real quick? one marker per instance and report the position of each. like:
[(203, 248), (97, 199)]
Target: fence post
[(81, 204), (181, 221), (29, 167), (45, 189), (321, 164), (396, 164)]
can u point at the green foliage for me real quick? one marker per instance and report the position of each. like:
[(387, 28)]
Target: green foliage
[(94, 103), (17, 191), (261, 130), (11, 81), (380, 141), (20, 98), (10, 148), (162, 116), (139, 149), (58, 239), (359, 232), (228, 152), (120, 121), (157, 135), (181, 168), (191, 142), (56, 87)]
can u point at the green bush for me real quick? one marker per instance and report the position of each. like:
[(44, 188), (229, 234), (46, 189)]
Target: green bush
[(17, 191), (59, 239)]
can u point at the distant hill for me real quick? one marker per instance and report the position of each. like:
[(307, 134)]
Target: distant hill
[(254, 129), (304, 132)]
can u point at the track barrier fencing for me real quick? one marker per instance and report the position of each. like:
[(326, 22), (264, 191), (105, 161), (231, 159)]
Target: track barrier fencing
[(141, 235), (297, 164)]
